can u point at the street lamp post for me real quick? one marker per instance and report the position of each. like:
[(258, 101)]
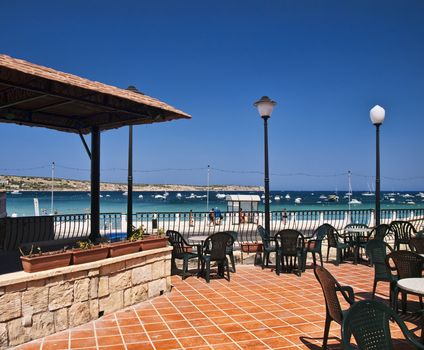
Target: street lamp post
[(265, 106), (377, 115)]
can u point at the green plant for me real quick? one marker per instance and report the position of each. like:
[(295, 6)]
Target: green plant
[(161, 232), (85, 244), (136, 233), (30, 254)]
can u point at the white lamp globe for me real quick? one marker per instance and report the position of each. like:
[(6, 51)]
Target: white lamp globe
[(265, 106), (377, 114)]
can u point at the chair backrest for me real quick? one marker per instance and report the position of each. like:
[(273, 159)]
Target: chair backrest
[(230, 245), (332, 236), (380, 232), (417, 244), (377, 251), (356, 226), (408, 264), (329, 286), (264, 236), (403, 230), (290, 241), (216, 245), (368, 322), (177, 241)]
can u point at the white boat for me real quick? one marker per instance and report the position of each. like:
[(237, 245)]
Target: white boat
[(160, 196), (391, 199), (125, 193), (277, 198), (407, 195), (333, 198), (140, 196), (179, 196), (322, 197), (263, 196), (368, 194), (420, 194), (410, 202), (101, 196), (220, 196), (108, 195), (191, 196), (201, 196), (287, 196), (298, 200), (15, 192), (354, 201)]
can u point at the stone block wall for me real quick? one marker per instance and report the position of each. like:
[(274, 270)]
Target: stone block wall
[(33, 305)]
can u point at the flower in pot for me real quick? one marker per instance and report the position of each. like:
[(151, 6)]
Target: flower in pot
[(132, 245), (40, 261), (87, 251), (154, 242)]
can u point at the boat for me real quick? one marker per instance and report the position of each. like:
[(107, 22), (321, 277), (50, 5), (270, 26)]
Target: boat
[(160, 196), (420, 194), (140, 196), (125, 193), (322, 197), (263, 196), (191, 196), (407, 195), (277, 198), (15, 192), (220, 196), (298, 200), (391, 199), (368, 194), (410, 202), (179, 196), (201, 196), (108, 195), (287, 196), (354, 201), (333, 198)]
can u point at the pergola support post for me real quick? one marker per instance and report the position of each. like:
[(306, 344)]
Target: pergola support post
[(95, 184)]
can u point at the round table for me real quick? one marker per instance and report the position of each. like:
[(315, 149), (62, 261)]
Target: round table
[(357, 235), (414, 286)]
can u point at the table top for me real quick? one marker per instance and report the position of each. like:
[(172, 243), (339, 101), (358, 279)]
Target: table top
[(198, 238), (413, 285), (358, 229)]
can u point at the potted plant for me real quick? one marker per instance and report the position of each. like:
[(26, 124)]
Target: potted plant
[(34, 262), (132, 245), (88, 252), (154, 241)]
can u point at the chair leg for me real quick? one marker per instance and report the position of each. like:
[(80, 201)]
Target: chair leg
[(208, 271), (233, 263), (228, 270), (338, 253), (314, 259), (320, 258), (185, 268), (373, 289), (328, 252), (326, 331), (264, 259)]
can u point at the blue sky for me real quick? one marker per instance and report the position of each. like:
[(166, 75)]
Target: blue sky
[(326, 63)]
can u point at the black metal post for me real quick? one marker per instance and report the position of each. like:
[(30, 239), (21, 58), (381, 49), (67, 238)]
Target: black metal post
[(95, 184), (130, 182), (377, 174), (266, 179)]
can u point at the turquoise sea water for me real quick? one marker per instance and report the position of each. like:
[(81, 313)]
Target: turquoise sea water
[(115, 202)]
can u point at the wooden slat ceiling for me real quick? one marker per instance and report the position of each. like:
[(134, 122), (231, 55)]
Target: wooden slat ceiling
[(34, 95)]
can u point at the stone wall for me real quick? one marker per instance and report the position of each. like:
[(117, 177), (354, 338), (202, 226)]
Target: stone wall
[(33, 305)]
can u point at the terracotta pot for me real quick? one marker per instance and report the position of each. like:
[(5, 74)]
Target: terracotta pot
[(153, 242), (251, 247), (82, 256), (46, 261), (122, 248)]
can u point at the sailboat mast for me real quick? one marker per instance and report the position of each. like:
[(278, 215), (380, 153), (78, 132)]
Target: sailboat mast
[(207, 190), (350, 187), (51, 206)]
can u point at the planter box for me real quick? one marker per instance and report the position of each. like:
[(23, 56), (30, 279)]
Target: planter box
[(45, 261), (251, 247), (153, 242), (122, 248), (82, 256)]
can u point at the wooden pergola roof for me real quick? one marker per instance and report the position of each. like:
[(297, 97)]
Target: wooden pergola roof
[(34, 95)]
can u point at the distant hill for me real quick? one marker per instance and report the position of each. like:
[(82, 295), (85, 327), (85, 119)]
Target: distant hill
[(31, 183)]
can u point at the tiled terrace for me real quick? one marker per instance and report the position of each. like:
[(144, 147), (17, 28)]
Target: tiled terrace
[(256, 310)]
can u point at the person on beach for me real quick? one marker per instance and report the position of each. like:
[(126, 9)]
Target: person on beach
[(190, 218), (284, 216), (242, 216), (217, 216), (212, 217)]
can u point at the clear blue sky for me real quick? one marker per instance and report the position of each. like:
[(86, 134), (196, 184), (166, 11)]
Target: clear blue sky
[(326, 63)]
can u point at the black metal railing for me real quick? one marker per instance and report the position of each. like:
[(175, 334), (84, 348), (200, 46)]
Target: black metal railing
[(15, 231)]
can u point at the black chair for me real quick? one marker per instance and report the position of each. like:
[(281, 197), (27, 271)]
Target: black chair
[(417, 244), (376, 251), (408, 265), (314, 244), (330, 287), (291, 248), (335, 240), (368, 322), (183, 250), (268, 245), (403, 231), (379, 232), (356, 240), (230, 249), (215, 250)]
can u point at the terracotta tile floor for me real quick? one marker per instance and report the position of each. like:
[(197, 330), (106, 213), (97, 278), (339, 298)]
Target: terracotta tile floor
[(256, 310)]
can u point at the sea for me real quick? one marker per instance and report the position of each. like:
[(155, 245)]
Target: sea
[(22, 204)]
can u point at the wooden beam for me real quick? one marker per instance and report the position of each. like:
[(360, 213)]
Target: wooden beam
[(14, 96)]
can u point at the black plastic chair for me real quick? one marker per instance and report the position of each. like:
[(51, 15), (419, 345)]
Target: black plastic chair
[(417, 244), (379, 232), (230, 249), (314, 244), (368, 322), (335, 240), (291, 248), (268, 245), (330, 287), (377, 251), (408, 265), (403, 231), (215, 250), (183, 250), (357, 241)]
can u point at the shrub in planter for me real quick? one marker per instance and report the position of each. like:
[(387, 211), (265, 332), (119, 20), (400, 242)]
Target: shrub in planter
[(154, 241), (88, 252), (45, 261), (123, 247)]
